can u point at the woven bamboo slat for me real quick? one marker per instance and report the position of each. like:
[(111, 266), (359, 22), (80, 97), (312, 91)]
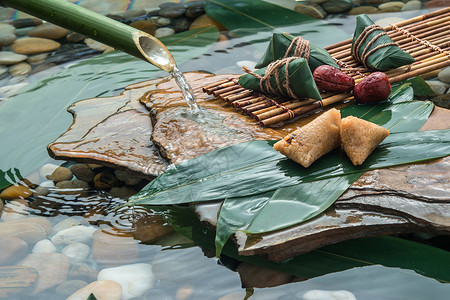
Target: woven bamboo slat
[(426, 38)]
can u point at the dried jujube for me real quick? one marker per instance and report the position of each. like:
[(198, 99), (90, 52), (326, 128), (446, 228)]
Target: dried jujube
[(331, 79), (372, 89)]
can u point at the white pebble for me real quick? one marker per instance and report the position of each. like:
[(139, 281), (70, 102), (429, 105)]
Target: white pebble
[(444, 75), (81, 234), (65, 224), (44, 246), (247, 63), (77, 252), (164, 31), (47, 169), (328, 295)]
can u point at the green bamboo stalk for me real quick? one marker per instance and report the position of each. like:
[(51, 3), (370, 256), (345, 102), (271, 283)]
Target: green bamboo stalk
[(100, 28)]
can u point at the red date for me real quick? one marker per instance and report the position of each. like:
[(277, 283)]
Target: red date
[(331, 79), (374, 88)]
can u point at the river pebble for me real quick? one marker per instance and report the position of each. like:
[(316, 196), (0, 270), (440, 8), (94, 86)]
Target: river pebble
[(44, 246), (20, 69), (337, 6), (164, 31), (15, 209), (412, 5), (151, 227), (312, 10), (135, 279), (6, 39), (80, 233), (171, 10), (206, 21), (160, 21), (15, 280), (33, 45), (181, 24), (69, 287), (52, 268), (328, 295), (363, 10), (7, 28), (438, 87), (3, 70), (393, 6), (75, 37), (37, 58), (101, 289), (26, 22), (145, 25), (195, 9), (123, 192), (253, 276), (83, 271), (15, 192), (77, 252), (60, 174), (10, 58), (97, 46), (114, 250), (444, 75), (48, 31), (83, 172), (66, 224), (126, 177), (133, 13), (12, 249)]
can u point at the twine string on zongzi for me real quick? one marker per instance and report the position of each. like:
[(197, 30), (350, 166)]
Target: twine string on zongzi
[(356, 47), (348, 69), (273, 70), (421, 41), (302, 48)]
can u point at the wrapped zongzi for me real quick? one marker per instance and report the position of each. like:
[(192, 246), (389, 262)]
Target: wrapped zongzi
[(285, 45), (290, 77), (374, 48)]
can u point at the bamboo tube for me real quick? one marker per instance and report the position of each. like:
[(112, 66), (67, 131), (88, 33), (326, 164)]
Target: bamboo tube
[(419, 71), (220, 87), (242, 102), (100, 28), (297, 112), (278, 110), (237, 90), (226, 90), (245, 93), (208, 87)]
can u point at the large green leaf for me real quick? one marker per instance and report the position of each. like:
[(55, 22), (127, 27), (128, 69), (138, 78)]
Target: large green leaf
[(388, 251), (9, 177), (36, 117), (259, 18)]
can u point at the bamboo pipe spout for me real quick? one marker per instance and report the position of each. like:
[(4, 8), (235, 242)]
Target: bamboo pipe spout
[(100, 28)]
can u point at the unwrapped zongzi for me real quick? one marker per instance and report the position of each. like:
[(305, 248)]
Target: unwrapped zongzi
[(280, 47), (374, 48), (290, 77)]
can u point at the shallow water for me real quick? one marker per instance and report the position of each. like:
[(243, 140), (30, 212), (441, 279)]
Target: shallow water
[(186, 89), (181, 269)]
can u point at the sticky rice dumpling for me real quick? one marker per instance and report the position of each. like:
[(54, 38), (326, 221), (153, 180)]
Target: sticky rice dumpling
[(360, 137), (288, 77), (313, 140), (374, 48), (281, 43)]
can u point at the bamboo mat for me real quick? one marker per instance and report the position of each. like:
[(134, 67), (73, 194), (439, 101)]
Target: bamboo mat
[(426, 38)]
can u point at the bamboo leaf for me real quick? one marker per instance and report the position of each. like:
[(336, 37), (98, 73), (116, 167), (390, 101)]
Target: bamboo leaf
[(39, 112), (9, 177)]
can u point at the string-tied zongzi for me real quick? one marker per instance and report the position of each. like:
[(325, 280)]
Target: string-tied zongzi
[(289, 77), (374, 48), (284, 45)]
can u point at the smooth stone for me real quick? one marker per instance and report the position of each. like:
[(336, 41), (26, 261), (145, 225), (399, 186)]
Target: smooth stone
[(105, 180), (160, 294), (47, 170), (164, 31), (184, 292), (437, 3), (363, 10), (15, 280), (206, 21), (150, 228), (181, 24), (66, 224), (26, 22), (12, 249), (442, 100), (412, 5), (75, 37), (10, 58), (37, 59), (23, 32), (15, 209), (80, 233), (337, 6), (44, 223), (97, 46), (48, 31), (77, 252), (393, 6), (376, 1), (44, 188), (15, 192), (126, 178), (444, 75), (438, 87), (135, 279), (69, 287), (83, 271), (195, 9), (33, 45), (83, 172), (20, 69), (7, 28), (253, 276), (44, 246), (101, 289), (247, 63), (312, 10), (72, 187), (133, 13), (328, 295), (52, 269), (389, 20), (60, 174), (3, 70), (171, 10), (28, 232), (144, 25), (123, 192), (160, 21), (110, 250), (6, 39), (316, 1)]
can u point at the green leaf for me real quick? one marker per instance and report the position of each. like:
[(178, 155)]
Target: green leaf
[(9, 177), (254, 167), (38, 115), (420, 86), (91, 297), (262, 18)]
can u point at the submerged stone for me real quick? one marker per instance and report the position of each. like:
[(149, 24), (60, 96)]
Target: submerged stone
[(113, 249), (16, 192), (12, 249), (101, 289), (14, 280)]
